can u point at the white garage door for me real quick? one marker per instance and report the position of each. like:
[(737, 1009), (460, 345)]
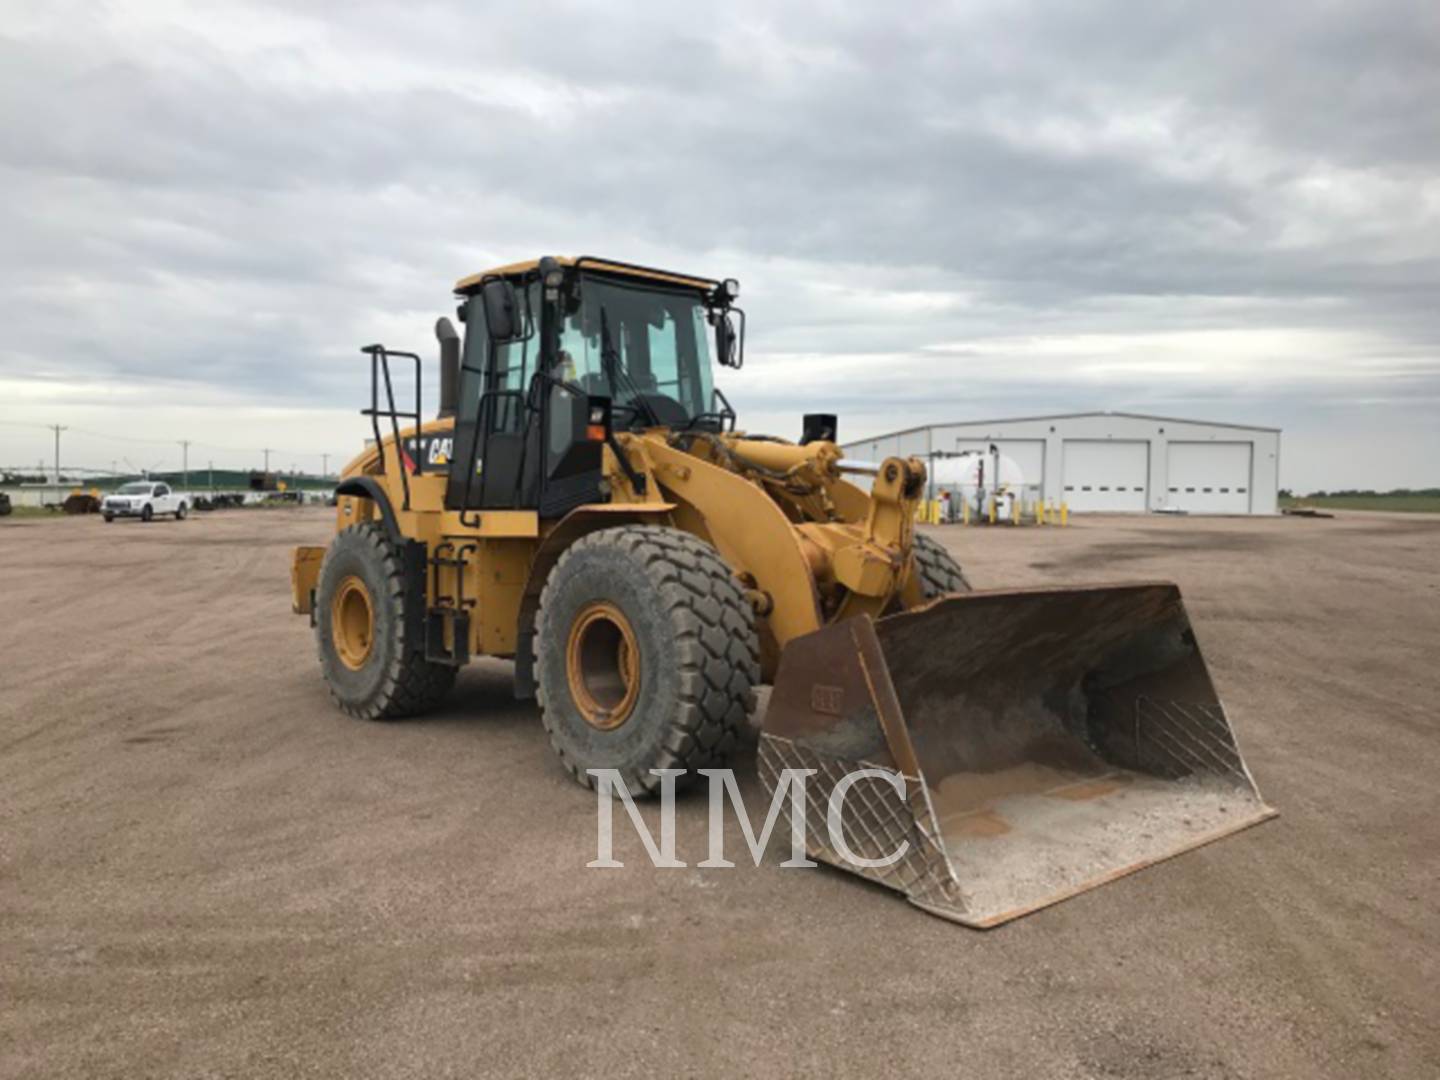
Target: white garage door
[(1028, 454), (1106, 475), (1209, 477)]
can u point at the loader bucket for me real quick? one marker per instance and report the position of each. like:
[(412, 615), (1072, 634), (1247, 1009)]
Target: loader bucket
[(1048, 740)]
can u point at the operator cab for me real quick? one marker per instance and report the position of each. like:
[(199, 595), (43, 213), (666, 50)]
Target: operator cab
[(559, 354)]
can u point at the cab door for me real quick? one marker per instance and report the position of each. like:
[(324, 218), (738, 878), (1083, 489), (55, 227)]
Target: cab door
[(527, 438), (492, 430)]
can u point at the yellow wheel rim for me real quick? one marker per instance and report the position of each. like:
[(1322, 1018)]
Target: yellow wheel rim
[(352, 623), (602, 665)]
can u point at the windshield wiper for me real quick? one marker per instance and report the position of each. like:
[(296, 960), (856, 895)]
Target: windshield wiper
[(609, 360)]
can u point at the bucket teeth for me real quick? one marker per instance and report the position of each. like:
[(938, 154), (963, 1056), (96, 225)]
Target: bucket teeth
[(1046, 740)]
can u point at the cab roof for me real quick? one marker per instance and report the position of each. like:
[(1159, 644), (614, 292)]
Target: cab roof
[(590, 262)]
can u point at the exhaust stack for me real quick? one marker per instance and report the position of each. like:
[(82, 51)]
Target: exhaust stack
[(449, 366)]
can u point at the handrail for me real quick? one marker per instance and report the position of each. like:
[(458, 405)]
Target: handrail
[(380, 365)]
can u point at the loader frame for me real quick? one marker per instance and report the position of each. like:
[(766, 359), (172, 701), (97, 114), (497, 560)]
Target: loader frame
[(807, 581)]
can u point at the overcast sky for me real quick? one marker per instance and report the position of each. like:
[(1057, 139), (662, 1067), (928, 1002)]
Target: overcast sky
[(1226, 211)]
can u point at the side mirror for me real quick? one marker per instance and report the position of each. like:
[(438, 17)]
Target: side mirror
[(727, 342), (501, 318)]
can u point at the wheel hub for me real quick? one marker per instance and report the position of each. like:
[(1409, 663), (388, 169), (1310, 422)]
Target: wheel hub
[(352, 623), (602, 665)]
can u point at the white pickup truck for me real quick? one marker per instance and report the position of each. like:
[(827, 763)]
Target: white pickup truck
[(145, 499)]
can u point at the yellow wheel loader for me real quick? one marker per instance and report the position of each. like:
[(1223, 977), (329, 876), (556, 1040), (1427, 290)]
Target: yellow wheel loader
[(584, 504)]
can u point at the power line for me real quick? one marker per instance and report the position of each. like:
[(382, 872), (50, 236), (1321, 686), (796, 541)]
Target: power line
[(138, 441), (120, 438), (23, 423)]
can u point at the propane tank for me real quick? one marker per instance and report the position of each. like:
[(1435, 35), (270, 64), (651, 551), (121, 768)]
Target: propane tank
[(980, 477)]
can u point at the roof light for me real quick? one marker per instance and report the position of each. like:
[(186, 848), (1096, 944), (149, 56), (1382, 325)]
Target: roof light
[(730, 289)]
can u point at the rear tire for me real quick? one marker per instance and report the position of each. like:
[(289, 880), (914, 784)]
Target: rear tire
[(651, 623), (939, 573), (376, 674), (180, 512), (109, 518)]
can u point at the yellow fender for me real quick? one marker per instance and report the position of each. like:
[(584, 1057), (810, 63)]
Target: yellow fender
[(572, 527), (751, 533)]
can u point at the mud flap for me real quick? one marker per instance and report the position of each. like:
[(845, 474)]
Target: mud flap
[(1048, 741)]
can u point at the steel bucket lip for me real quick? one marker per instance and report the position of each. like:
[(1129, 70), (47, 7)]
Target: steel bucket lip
[(1166, 593), (990, 922), (1134, 584), (955, 901)]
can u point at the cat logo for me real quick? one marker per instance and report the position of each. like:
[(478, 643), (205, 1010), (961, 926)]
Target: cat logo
[(439, 450), (436, 450), (827, 700)]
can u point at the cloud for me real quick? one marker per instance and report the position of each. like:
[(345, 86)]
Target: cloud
[(1225, 210)]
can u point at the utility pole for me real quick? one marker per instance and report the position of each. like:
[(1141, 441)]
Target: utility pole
[(324, 466), (267, 461), (57, 428), (185, 464), (211, 466)]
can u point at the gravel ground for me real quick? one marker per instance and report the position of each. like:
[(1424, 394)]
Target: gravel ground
[(205, 870)]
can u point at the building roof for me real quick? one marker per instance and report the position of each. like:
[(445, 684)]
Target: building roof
[(1062, 416)]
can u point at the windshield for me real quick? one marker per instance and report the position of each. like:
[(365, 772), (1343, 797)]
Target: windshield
[(630, 342), (133, 489)]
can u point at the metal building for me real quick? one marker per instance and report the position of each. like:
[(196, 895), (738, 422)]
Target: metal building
[(1114, 462)]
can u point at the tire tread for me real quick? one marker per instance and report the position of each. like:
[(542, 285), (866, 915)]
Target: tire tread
[(412, 685), (939, 573), (719, 650)]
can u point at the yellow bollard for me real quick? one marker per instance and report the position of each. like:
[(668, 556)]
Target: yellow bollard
[(1040, 512), (992, 511), (1064, 513), (965, 512)]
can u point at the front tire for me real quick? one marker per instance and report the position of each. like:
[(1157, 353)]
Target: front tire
[(646, 656), (373, 670), (938, 571), (148, 513)]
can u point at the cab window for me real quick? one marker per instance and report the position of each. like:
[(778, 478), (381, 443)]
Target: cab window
[(514, 362), (654, 341)]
